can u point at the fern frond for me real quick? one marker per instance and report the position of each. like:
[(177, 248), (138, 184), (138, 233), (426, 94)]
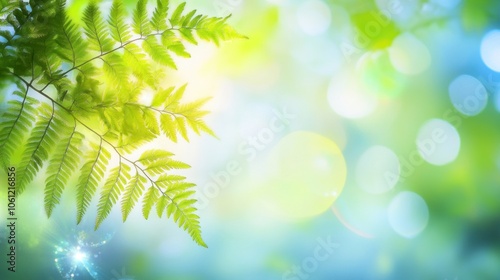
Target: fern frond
[(159, 19), (151, 121), (140, 23), (15, 126), (181, 186), (158, 53), (182, 209), (153, 155), (174, 44), (161, 97), (132, 193), (161, 204), (175, 19), (119, 29), (149, 200), (140, 66), (71, 46), (42, 139), (114, 186), (92, 173), (216, 30), (96, 30), (115, 70), (163, 165), (63, 164)]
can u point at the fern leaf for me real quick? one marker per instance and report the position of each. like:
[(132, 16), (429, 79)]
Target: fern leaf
[(187, 34), (140, 23), (216, 30), (159, 19), (43, 137), (181, 126), (137, 61), (91, 174), (183, 211), (163, 165), (132, 193), (161, 96), (149, 201), (167, 124), (151, 121), (158, 53), (118, 27), (174, 44), (96, 30), (114, 186), (63, 164), (153, 155), (114, 69), (71, 46), (187, 18), (161, 204), (173, 100), (199, 125), (176, 187), (14, 128), (176, 15)]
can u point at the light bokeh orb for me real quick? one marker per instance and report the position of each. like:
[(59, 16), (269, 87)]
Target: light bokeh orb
[(377, 170), (408, 214), (409, 55), (314, 17), (490, 52), (438, 142), (307, 172), (349, 98), (468, 95)]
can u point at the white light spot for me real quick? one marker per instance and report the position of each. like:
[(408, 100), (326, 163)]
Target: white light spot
[(490, 52), (468, 95), (438, 142), (314, 17), (378, 170), (408, 214), (349, 98), (409, 55), (79, 257)]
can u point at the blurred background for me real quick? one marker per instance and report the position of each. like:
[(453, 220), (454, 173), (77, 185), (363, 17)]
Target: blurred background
[(358, 140)]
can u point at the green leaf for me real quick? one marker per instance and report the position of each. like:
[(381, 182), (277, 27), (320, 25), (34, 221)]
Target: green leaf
[(62, 166), (158, 53), (159, 20), (140, 23), (148, 201), (132, 193), (96, 30), (176, 15), (114, 186), (91, 175), (117, 17)]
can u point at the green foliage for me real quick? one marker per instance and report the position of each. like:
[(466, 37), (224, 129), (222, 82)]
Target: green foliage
[(79, 107)]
